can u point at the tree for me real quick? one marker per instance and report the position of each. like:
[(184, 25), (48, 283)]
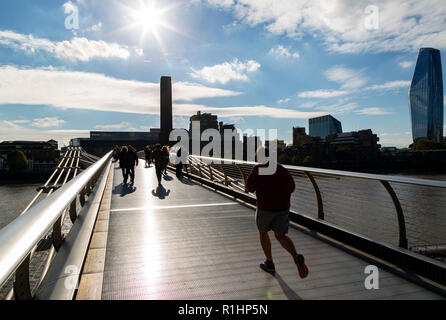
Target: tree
[(308, 160), (426, 144), (17, 160), (284, 158), (296, 160), (343, 152)]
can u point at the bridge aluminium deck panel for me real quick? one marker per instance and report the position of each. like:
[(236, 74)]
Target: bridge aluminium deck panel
[(184, 241)]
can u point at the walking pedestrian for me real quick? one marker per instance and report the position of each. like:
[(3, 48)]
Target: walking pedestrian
[(179, 166), (121, 157), (148, 155), (165, 150), (273, 203), (158, 157), (130, 161)]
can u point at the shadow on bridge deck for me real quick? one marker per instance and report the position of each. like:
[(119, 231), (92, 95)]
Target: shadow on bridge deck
[(184, 241)]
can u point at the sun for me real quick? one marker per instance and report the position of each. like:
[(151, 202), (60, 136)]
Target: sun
[(151, 21), (149, 18)]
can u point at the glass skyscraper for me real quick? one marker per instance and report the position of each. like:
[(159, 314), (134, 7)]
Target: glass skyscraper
[(426, 97), (324, 126)]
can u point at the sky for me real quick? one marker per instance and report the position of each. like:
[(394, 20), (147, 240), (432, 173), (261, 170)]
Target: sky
[(68, 67)]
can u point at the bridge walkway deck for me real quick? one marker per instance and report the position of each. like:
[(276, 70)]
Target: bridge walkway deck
[(185, 241)]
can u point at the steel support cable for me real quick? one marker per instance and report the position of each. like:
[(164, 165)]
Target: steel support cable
[(18, 258), (45, 185), (25, 282), (63, 161)]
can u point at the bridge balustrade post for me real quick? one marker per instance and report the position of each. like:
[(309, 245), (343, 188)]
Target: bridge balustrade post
[(242, 174), (402, 243), (22, 289), (199, 170), (73, 211), (225, 175), (57, 234), (210, 172), (82, 197), (320, 205)]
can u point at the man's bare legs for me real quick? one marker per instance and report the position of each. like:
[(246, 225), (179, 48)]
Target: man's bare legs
[(288, 245), (266, 245)]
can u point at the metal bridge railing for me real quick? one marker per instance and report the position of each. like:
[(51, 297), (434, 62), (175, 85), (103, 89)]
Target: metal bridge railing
[(407, 212), (19, 240)]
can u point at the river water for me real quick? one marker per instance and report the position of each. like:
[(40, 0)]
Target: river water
[(13, 199)]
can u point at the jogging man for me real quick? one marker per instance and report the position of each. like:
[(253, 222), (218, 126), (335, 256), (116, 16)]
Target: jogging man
[(273, 204)]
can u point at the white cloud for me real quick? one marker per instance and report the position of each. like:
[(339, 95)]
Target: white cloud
[(283, 100), (282, 52), (392, 85), (323, 94), (47, 122), (307, 105), (181, 122), (348, 78), (11, 133), (373, 111), (139, 52), (406, 64), (123, 125), (91, 91), (77, 49), (338, 108), (21, 121), (95, 27), (401, 140), (404, 25), (226, 71)]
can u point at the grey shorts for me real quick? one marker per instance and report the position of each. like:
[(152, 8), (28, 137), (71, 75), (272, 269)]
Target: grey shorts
[(276, 221)]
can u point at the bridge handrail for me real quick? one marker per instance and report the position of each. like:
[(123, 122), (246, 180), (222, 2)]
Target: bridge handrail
[(18, 238), (339, 173), (220, 173)]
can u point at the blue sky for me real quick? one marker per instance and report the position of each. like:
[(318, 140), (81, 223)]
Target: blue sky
[(256, 63)]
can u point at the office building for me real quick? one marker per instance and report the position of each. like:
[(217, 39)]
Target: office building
[(324, 126), (426, 97)]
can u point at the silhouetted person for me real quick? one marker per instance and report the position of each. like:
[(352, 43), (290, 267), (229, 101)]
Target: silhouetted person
[(273, 204), (130, 161), (158, 157), (148, 155), (179, 166), (165, 150), (116, 151), (121, 157)]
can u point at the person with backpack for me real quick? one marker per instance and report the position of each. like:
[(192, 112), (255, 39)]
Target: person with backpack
[(273, 194)]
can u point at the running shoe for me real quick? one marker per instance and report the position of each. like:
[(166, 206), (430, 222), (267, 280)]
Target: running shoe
[(301, 267), (268, 266)]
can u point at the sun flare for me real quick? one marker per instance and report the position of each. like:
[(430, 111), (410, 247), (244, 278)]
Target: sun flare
[(149, 18)]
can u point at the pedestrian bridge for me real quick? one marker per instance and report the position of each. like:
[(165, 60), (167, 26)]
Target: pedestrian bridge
[(196, 238)]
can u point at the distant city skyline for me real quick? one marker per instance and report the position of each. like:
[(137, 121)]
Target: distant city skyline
[(67, 68)]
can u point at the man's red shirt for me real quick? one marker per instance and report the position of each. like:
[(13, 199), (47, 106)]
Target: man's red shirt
[(273, 191)]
